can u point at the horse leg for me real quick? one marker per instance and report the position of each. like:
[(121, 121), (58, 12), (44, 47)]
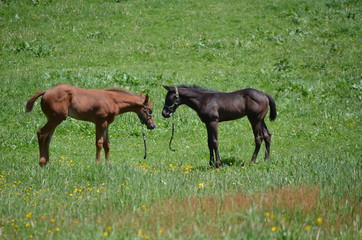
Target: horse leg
[(258, 136), (100, 134), (44, 137), (210, 145), (47, 143), (212, 132), (267, 139), (106, 144)]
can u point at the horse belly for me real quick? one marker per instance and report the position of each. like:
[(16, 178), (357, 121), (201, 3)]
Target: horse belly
[(84, 116), (231, 111), (229, 116)]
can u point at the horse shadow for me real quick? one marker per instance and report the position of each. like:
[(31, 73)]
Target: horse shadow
[(225, 162), (232, 161)]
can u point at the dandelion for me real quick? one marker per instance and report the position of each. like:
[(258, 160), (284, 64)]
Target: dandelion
[(76, 222), (109, 228), (161, 231), (57, 229), (319, 220), (27, 225), (267, 214), (29, 215), (50, 231), (201, 185), (31, 236), (307, 228), (274, 229), (106, 234)]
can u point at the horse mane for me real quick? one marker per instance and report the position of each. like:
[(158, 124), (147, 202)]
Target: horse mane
[(119, 90), (195, 87)]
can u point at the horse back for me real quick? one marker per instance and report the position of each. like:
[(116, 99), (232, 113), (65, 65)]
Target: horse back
[(234, 105)]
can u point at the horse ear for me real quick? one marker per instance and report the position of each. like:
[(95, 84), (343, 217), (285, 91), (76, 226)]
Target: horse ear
[(168, 88), (142, 95), (147, 99)]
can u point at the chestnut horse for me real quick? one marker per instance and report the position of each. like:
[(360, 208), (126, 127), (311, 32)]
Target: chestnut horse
[(93, 105), (214, 107)]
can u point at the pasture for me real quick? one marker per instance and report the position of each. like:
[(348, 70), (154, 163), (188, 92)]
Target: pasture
[(306, 54)]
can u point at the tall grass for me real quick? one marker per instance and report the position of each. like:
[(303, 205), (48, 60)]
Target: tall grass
[(306, 54)]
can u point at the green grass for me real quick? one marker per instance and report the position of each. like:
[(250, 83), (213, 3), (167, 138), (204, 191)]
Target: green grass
[(306, 54)]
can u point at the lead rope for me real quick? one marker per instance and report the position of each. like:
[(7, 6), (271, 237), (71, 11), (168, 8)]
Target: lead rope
[(172, 133), (144, 143)]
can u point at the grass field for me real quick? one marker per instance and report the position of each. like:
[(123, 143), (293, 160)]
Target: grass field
[(306, 54)]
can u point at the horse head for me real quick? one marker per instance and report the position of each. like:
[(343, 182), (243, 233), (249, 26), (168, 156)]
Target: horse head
[(145, 115), (172, 101)]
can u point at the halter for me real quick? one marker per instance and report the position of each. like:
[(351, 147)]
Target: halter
[(145, 111), (172, 108)]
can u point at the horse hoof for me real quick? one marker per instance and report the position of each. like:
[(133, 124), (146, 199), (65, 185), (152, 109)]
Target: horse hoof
[(43, 162)]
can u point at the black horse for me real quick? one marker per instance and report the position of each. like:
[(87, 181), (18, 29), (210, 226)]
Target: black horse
[(214, 107)]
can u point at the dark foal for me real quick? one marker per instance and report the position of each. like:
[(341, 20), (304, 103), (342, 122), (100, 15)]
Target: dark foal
[(93, 105), (214, 107)]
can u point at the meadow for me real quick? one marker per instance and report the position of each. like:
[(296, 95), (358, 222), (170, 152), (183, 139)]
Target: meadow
[(306, 54)]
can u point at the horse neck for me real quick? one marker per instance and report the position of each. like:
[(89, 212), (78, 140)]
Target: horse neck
[(191, 98), (129, 103)]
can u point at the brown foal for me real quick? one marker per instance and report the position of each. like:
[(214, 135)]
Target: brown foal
[(93, 105)]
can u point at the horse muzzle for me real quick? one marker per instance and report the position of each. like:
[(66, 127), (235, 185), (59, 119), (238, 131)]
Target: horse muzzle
[(151, 125), (166, 113)]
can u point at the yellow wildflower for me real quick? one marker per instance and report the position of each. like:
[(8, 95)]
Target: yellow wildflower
[(319, 220), (274, 229), (307, 228), (29, 215)]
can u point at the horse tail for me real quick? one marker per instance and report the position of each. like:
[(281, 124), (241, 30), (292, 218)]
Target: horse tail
[(31, 101), (273, 108)]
